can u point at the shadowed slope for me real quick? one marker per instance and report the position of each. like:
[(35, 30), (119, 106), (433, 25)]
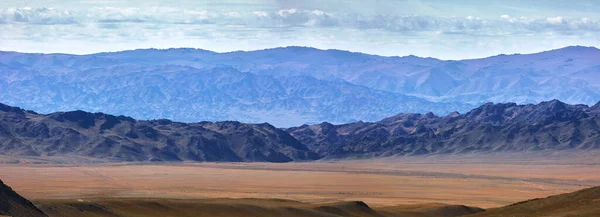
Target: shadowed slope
[(582, 203), (429, 210), (187, 208), (120, 138), (12, 204), (551, 126), (351, 208), (231, 208)]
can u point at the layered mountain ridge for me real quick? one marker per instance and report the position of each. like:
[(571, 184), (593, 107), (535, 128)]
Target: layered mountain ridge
[(290, 86), (120, 138), (551, 126), (506, 127)]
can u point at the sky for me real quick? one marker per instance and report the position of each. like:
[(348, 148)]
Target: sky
[(445, 29)]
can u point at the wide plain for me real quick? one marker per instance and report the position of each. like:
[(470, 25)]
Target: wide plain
[(482, 181)]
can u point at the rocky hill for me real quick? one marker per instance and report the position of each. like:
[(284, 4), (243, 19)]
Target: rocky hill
[(12, 204), (552, 126), (582, 203), (120, 138)]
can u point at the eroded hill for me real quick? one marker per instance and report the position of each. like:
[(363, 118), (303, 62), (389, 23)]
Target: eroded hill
[(582, 203), (119, 138), (551, 126), (12, 204)]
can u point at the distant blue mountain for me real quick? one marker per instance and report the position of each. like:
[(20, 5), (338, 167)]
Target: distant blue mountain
[(290, 86)]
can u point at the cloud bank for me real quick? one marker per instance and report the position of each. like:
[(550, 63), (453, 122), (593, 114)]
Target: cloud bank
[(288, 18), (27, 27)]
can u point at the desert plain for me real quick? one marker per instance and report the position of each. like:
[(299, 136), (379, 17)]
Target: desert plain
[(482, 181)]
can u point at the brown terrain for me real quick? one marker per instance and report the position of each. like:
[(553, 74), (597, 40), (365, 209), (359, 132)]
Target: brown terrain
[(239, 207), (582, 203), (12, 204), (389, 186)]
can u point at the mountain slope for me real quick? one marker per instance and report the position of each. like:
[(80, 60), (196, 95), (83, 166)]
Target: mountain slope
[(290, 86), (12, 204), (187, 94), (98, 135), (548, 126), (551, 126), (582, 203)]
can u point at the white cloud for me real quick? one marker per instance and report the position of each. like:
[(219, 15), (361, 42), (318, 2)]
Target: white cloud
[(294, 18), (286, 12), (261, 13), (555, 20), (46, 16), (269, 27)]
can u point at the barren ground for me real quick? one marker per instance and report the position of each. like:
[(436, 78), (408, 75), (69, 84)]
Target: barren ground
[(483, 181)]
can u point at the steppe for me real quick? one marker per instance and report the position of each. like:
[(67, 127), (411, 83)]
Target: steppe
[(482, 181)]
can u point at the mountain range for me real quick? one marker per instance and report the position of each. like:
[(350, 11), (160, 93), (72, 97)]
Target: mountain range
[(551, 126), (548, 126), (290, 86), (120, 138)]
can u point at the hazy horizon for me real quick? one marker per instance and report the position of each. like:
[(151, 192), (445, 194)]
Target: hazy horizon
[(456, 29), (292, 46)]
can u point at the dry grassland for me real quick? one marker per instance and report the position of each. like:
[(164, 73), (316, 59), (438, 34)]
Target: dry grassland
[(490, 181)]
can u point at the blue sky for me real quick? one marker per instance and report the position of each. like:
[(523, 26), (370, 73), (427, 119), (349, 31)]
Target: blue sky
[(446, 29)]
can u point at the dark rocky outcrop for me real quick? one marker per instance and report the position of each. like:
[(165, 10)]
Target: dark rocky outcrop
[(12, 204), (504, 127), (98, 135)]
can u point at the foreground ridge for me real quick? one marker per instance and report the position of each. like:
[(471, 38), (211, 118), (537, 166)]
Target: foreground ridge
[(12, 204), (581, 203), (584, 203)]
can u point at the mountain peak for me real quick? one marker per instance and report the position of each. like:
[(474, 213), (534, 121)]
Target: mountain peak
[(579, 48), (501, 127), (12, 109), (554, 102), (574, 50), (595, 109)]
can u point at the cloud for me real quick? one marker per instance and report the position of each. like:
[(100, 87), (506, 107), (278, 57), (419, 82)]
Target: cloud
[(292, 17), (555, 20), (254, 28), (43, 16)]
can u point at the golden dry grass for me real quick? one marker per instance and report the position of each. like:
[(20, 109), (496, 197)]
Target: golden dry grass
[(484, 182)]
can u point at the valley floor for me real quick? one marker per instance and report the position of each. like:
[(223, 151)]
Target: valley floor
[(482, 181)]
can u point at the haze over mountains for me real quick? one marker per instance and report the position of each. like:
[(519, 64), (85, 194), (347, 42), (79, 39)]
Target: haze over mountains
[(551, 126), (290, 86)]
